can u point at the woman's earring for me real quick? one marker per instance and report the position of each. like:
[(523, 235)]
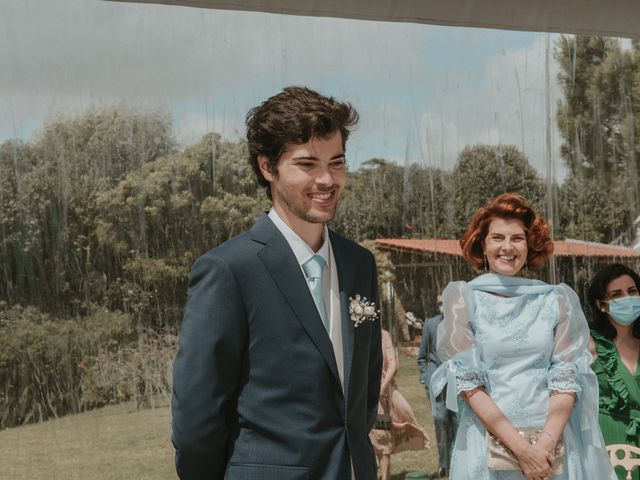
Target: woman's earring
[(599, 304), (485, 262)]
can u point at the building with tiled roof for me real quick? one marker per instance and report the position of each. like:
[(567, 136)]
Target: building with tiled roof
[(561, 248), (423, 267)]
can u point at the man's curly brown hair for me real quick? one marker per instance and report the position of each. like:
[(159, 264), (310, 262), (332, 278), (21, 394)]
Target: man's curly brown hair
[(293, 117)]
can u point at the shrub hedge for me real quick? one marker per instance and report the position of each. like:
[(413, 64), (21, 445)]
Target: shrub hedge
[(51, 367)]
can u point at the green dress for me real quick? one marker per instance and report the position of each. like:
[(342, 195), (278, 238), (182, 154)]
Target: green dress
[(619, 397)]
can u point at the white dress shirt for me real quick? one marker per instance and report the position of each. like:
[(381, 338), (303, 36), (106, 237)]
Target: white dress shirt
[(330, 287)]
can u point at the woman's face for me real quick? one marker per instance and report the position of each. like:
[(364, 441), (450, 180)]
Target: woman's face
[(505, 246), (618, 288), (623, 286)]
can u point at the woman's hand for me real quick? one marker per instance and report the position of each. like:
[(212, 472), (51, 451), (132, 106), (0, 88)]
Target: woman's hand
[(536, 460), (547, 445)]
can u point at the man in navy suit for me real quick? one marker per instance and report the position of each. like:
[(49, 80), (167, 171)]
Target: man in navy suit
[(278, 372)]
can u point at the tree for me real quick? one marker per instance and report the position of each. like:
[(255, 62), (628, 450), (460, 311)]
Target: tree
[(427, 206), (589, 211), (16, 233), (56, 261), (599, 199), (371, 204), (483, 172), (158, 219)]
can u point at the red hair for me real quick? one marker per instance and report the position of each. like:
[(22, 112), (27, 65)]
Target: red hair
[(511, 206)]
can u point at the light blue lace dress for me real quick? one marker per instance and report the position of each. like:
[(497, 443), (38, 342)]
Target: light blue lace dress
[(519, 346)]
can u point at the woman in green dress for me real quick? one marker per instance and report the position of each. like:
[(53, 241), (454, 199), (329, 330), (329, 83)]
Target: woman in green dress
[(615, 328)]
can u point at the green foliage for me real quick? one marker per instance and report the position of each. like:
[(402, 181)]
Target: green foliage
[(132, 372), (597, 81), (427, 202), (103, 143), (152, 290), (593, 210), (151, 211), (598, 123), (158, 219), (228, 164), (103, 210), (52, 256), (370, 206), (384, 200), (484, 172), (41, 360), (386, 268), (18, 237), (230, 215), (101, 203)]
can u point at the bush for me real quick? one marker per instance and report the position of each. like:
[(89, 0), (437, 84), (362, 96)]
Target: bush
[(41, 359), (133, 372)]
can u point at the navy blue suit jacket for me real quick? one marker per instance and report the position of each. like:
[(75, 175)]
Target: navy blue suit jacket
[(256, 391)]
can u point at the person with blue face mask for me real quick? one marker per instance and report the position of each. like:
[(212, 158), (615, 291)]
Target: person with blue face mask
[(614, 299)]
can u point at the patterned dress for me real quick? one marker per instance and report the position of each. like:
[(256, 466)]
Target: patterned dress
[(619, 397), (520, 339), (406, 433)]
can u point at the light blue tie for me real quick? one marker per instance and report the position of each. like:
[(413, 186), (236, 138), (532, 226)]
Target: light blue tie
[(313, 269)]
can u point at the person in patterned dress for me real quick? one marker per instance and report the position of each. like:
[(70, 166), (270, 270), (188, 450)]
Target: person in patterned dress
[(515, 356), (615, 328)]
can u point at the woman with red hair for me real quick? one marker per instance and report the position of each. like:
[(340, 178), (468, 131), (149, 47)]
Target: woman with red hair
[(515, 357)]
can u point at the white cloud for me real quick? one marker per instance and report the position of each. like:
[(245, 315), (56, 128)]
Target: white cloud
[(507, 107), (423, 92), (72, 53), (192, 126)]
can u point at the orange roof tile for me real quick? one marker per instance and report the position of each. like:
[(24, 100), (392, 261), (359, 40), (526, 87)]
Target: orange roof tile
[(562, 248)]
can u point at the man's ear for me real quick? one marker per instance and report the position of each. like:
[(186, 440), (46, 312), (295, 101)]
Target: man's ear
[(265, 167)]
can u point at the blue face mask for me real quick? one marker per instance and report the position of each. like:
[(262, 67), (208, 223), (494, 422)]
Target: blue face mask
[(625, 310)]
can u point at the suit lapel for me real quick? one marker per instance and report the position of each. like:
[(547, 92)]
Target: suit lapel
[(279, 260), (345, 282)]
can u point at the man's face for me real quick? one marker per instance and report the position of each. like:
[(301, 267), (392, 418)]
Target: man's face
[(309, 178)]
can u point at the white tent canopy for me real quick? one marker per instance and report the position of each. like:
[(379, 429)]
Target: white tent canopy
[(618, 18)]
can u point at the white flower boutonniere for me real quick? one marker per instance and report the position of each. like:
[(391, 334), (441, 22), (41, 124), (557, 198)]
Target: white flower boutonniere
[(360, 310)]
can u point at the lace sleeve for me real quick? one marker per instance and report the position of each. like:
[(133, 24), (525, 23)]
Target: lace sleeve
[(570, 371), (456, 340), (571, 341)]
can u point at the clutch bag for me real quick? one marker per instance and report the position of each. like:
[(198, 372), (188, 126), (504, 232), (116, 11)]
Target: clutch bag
[(499, 457)]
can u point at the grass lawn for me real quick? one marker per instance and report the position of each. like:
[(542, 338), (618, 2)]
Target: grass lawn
[(411, 388), (120, 443)]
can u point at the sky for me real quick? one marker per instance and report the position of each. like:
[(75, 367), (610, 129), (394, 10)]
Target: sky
[(423, 92)]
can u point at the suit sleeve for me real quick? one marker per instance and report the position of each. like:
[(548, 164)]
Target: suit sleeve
[(207, 370), (375, 358), (423, 354)]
